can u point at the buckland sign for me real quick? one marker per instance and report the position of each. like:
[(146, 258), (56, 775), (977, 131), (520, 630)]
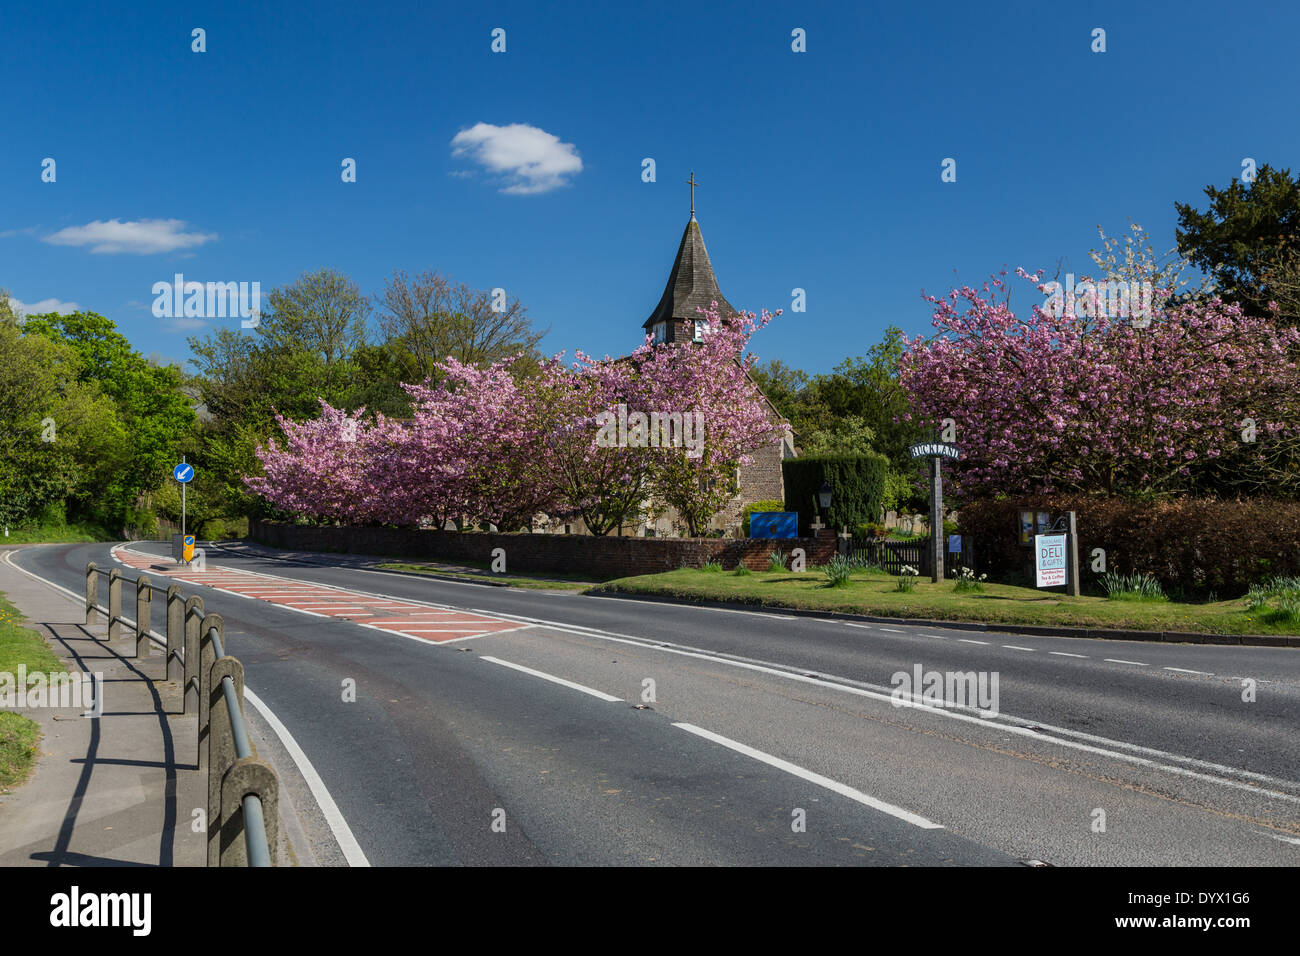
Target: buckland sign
[(935, 449)]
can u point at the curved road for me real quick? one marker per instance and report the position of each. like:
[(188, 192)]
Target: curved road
[(500, 726)]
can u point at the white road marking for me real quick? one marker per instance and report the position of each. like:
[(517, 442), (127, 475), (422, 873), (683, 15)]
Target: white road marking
[(937, 637), (1006, 722), (1115, 660), (1065, 654), (1285, 839), (967, 640), (1016, 647), (352, 851), (893, 630), (552, 678), (833, 785), (1184, 670), (852, 624)]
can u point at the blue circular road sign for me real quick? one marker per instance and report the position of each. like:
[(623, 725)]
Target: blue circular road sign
[(183, 473)]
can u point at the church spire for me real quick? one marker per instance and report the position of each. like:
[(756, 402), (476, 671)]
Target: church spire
[(691, 285)]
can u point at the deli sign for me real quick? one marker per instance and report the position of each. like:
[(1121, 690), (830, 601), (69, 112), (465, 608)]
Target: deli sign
[(1049, 560)]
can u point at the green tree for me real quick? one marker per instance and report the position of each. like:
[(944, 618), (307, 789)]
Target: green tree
[(427, 319), (7, 314), (1238, 238), (155, 414), (60, 438)]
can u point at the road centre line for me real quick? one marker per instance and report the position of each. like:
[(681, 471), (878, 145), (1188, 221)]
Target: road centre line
[(780, 617), (1003, 721), (835, 786), (1068, 737), (553, 679), (1112, 660)]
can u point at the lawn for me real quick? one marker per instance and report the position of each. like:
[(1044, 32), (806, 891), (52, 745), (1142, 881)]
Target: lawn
[(20, 735), (874, 593), (57, 534)]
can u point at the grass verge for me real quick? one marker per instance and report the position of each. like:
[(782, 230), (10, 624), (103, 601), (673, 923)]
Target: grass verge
[(876, 595), (20, 735), (57, 534)]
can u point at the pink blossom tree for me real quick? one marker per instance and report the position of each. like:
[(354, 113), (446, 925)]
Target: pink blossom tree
[(710, 377), (501, 444), (1064, 402)]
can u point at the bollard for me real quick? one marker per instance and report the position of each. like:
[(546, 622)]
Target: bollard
[(193, 618), (221, 744), (92, 592), (143, 615), (248, 776), (207, 655), (114, 604), (175, 633)]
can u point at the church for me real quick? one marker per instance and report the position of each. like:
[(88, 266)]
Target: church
[(691, 286)]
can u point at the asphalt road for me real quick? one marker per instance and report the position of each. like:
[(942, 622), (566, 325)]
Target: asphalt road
[(611, 731)]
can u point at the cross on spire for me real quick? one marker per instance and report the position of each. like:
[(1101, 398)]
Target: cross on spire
[(692, 183)]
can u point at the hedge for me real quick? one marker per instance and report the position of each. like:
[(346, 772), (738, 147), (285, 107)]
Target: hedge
[(1193, 544), (857, 487)]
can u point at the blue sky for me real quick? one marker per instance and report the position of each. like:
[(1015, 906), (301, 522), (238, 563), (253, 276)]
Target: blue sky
[(818, 170)]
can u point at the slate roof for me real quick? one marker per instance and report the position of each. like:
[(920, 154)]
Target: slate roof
[(691, 284)]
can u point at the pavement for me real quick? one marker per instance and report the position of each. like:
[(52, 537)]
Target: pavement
[(117, 790)]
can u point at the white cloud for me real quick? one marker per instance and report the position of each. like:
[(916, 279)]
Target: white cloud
[(531, 160), (183, 324), (146, 237), (40, 308)]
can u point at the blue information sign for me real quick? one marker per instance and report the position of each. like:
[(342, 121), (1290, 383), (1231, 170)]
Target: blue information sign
[(183, 473), (774, 524)]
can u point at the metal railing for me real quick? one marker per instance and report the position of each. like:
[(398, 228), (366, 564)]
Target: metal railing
[(243, 791)]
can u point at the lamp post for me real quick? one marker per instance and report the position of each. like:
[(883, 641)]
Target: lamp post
[(822, 503)]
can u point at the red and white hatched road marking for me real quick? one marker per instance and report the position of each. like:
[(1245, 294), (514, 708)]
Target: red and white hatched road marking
[(422, 622)]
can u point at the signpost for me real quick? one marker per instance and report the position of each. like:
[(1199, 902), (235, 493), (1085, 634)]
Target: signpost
[(936, 451), (1049, 560), (1056, 555), (184, 474)]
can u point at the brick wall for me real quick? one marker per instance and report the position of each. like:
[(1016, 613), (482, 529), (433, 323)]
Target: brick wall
[(603, 557)]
